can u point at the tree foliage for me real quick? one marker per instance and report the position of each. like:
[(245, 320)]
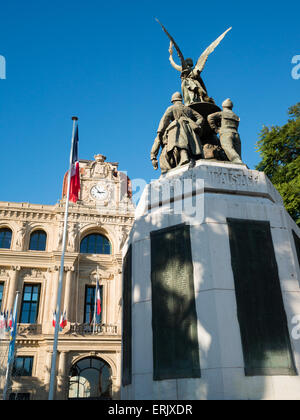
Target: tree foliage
[(279, 148)]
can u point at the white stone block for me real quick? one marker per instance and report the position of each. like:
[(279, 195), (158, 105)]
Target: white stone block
[(285, 261), (239, 387), (209, 386), (291, 302), (165, 390), (286, 388), (142, 354), (228, 329), (143, 386), (219, 247), (203, 276), (141, 271), (207, 326)]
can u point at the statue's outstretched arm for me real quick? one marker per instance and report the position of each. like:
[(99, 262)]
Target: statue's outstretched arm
[(173, 64)]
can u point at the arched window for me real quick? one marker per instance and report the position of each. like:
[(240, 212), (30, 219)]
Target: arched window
[(5, 238), (90, 378), (38, 241), (95, 244)]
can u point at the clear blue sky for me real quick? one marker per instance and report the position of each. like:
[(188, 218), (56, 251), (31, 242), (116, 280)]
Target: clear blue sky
[(107, 63)]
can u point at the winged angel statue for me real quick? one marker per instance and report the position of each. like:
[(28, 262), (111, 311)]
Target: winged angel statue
[(192, 85)]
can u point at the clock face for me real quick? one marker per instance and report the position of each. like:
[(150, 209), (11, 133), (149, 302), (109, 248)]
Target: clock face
[(99, 192)]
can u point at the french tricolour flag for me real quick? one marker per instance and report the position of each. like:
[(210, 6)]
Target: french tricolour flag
[(10, 320), (63, 320), (54, 319), (75, 175), (98, 298)]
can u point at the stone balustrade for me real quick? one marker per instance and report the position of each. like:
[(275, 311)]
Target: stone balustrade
[(97, 329)]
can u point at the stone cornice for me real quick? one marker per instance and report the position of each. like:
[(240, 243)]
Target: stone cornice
[(35, 259), (40, 213)]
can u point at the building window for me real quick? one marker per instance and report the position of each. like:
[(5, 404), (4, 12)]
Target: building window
[(38, 241), (30, 304), (95, 244), (90, 378), (5, 238), (1, 293), (22, 366), (90, 304)]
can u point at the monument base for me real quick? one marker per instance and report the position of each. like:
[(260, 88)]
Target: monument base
[(211, 289)]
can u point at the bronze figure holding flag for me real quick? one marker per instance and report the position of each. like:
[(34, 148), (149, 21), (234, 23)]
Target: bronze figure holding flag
[(192, 85), (178, 146)]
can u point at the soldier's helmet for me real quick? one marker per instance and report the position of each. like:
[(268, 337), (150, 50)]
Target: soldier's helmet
[(176, 97), (227, 104)]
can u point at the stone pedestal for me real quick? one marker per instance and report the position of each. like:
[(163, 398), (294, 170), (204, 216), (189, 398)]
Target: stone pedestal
[(210, 200)]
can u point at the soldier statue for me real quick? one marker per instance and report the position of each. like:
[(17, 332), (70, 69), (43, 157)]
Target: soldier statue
[(178, 135), (226, 123)]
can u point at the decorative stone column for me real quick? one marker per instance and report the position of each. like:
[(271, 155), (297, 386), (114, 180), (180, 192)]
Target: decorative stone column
[(117, 314), (62, 377), (47, 370), (47, 311), (68, 291), (55, 280), (13, 284)]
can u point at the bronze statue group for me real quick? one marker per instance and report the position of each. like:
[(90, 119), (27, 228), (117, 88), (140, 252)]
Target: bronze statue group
[(196, 129)]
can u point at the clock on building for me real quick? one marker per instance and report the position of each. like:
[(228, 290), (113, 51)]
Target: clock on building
[(99, 192)]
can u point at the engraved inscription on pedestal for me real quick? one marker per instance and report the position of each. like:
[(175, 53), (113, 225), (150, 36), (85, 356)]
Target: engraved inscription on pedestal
[(261, 314), (233, 177), (174, 319)]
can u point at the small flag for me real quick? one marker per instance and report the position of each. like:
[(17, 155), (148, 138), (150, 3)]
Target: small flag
[(10, 320), (13, 333), (7, 328), (98, 298), (2, 325), (75, 176), (54, 319), (63, 320)]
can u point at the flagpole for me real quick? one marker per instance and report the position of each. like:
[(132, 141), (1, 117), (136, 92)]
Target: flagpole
[(11, 352), (60, 283)]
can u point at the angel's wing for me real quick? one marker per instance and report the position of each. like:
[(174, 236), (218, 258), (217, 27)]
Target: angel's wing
[(180, 55), (204, 56)]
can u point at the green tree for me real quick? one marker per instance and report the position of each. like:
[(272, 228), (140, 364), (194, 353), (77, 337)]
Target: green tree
[(279, 148)]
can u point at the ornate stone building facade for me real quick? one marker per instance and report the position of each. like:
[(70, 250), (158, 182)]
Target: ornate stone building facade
[(30, 251)]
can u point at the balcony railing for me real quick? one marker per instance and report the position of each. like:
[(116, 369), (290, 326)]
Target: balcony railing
[(24, 330), (91, 329), (29, 329)]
